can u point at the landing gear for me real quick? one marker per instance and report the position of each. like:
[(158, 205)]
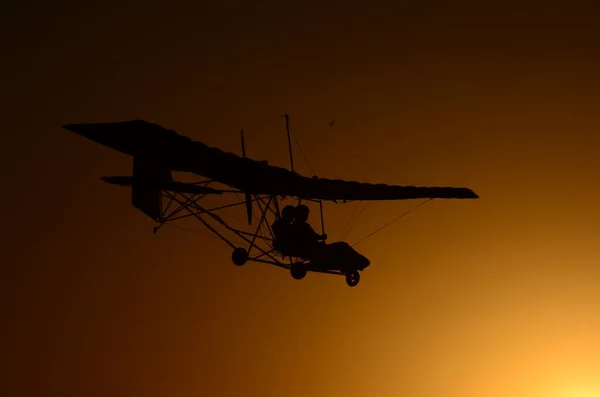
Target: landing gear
[(239, 256), (352, 278), (298, 271)]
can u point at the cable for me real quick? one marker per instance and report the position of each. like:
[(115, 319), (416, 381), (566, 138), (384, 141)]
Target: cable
[(301, 149), (185, 229), (349, 221), (389, 223), (332, 143), (354, 219)]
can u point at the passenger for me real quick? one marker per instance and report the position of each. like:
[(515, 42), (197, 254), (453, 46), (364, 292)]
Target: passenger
[(305, 238), (282, 229)]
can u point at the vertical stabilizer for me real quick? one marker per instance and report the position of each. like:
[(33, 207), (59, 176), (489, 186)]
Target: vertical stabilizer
[(148, 181)]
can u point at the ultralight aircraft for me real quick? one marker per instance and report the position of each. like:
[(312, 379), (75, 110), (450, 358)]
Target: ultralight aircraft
[(157, 152)]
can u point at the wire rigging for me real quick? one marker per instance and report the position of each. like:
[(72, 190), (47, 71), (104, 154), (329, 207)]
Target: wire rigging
[(358, 210), (344, 231), (189, 230), (331, 142), (355, 215), (348, 152), (392, 221), (301, 149)]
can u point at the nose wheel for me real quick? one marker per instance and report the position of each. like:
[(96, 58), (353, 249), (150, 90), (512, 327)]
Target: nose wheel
[(352, 278)]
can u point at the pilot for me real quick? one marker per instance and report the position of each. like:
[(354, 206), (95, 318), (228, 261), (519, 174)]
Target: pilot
[(303, 235), (282, 229)]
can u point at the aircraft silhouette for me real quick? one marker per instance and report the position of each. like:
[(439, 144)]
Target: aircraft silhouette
[(157, 152)]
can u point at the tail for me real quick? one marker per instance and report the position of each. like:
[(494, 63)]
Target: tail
[(147, 183), (149, 179)]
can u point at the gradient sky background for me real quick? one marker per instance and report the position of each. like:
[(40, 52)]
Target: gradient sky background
[(487, 298)]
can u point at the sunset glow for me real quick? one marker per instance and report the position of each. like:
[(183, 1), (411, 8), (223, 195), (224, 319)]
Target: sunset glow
[(494, 297)]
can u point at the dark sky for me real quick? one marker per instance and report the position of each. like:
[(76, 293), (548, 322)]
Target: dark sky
[(493, 297)]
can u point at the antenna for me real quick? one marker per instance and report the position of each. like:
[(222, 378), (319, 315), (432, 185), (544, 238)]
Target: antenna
[(287, 127)]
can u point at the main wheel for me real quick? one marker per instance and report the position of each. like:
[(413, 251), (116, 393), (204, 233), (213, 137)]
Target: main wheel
[(239, 256), (298, 271), (352, 278)]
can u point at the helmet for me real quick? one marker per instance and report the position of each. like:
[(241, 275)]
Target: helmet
[(288, 213), (302, 213)]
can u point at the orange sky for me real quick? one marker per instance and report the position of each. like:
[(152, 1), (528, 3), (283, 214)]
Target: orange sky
[(493, 297)]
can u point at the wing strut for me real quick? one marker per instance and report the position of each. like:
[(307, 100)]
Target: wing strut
[(248, 196), (322, 219), (287, 128)]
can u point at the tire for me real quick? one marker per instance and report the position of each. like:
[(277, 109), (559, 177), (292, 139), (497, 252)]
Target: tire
[(298, 271), (239, 256), (352, 278)]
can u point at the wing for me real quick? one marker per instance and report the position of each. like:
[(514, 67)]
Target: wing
[(132, 137), (339, 190), (179, 153)]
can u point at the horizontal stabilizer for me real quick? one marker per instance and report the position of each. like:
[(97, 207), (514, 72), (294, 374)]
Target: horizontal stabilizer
[(118, 180), (171, 186)]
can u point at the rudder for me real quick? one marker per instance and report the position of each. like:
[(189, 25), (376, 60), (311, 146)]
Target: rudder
[(148, 181)]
